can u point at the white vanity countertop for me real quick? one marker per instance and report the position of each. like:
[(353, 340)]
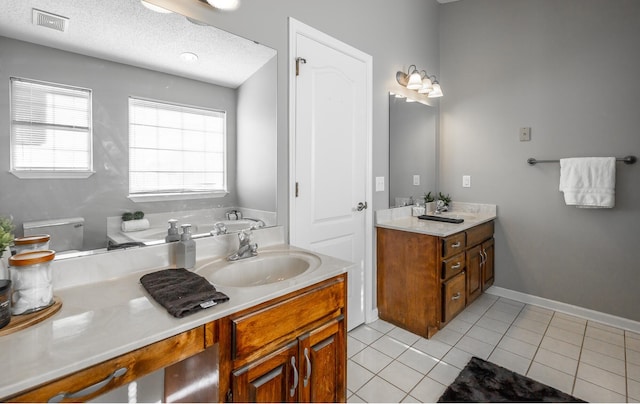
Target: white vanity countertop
[(401, 219), (105, 319)]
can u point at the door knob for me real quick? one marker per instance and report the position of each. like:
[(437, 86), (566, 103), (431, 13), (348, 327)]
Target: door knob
[(361, 206)]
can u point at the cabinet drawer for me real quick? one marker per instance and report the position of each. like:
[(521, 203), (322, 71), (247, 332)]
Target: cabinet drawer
[(116, 372), (452, 266), (453, 245), (453, 296), (263, 329), (479, 233)]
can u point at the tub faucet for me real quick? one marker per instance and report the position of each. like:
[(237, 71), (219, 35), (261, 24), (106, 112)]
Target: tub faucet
[(246, 249), (218, 228)]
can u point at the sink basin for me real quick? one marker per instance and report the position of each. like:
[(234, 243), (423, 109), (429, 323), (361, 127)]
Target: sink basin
[(264, 269)]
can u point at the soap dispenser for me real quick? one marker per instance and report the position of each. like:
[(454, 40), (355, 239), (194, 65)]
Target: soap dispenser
[(173, 233), (186, 249)]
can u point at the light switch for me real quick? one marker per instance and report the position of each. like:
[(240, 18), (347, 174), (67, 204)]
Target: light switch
[(525, 134), (416, 179), (379, 184), (466, 181)]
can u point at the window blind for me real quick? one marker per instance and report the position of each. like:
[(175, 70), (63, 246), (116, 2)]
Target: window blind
[(175, 149), (50, 127)]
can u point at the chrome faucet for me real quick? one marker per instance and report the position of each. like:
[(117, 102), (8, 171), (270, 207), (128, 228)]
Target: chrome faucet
[(255, 223), (440, 207), (218, 229), (246, 249)]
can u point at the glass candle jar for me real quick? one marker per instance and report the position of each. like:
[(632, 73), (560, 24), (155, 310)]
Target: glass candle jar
[(5, 302), (30, 274), (30, 243)]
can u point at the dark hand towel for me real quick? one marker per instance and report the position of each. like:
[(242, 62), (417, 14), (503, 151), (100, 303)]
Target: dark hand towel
[(181, 292)]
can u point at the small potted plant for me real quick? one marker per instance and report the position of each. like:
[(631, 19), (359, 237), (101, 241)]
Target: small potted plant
[(443, 202), (428, 198), (6, 234)]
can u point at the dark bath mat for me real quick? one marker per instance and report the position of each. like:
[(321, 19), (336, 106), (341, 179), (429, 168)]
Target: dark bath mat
[(181, 292), (485, 382)]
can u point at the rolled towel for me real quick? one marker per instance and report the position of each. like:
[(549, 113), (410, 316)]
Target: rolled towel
[(27, 278), (135, 225)]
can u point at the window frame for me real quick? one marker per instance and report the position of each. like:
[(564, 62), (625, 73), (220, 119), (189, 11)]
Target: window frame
[(49, 172), (178, 195)]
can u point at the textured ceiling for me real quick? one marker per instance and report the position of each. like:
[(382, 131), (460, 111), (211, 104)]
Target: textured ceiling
[(124, 31)]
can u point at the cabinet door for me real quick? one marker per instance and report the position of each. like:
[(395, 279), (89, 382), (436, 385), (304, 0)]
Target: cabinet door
[(488, 249), (453, 296), (273, 378), (474, 272), (322, 356)]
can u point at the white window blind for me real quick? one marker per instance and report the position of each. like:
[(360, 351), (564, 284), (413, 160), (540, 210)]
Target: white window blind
[(50, 128), (175, 149)]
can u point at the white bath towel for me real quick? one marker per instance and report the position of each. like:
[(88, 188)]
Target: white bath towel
[(588, 182), (135, 225)]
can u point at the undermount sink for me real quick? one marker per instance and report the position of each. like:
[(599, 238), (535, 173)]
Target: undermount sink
[(266, 268)]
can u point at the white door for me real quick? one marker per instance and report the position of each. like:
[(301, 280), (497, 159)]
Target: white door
[(329, 206)]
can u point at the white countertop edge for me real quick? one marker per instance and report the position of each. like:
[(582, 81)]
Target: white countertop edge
[(432, 228), (401, 218), (17, 380)]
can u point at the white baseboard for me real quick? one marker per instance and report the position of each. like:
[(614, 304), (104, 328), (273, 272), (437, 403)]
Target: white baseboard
[(371, 316), (577, 311)]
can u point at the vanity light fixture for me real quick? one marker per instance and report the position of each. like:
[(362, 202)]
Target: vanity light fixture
[(419, 81), (155, 8)]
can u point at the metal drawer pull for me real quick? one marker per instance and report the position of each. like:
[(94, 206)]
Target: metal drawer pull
[(308, 375), (456, 266), (456, 296), (456, 245), (88, 390), (292, 391)]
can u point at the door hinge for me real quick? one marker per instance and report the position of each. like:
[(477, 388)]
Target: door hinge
[(297, 188), (298, 61)]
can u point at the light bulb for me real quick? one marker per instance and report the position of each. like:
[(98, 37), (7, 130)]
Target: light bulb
[(436, 92), (224, 4), (427, 86), (415, 81), (155, 8)]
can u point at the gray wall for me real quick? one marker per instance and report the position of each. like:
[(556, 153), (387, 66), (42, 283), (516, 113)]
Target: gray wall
[(569, 70), (257, 140), (104, 193)]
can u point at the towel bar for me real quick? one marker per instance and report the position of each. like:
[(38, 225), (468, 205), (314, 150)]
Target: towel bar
[(626, 160)]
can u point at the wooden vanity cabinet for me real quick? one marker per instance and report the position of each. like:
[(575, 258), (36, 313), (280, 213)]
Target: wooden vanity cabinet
[(424, 281), (291, 348), (288, 350)]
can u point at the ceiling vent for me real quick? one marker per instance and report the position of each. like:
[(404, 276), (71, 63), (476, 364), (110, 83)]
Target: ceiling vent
[(48, 20)]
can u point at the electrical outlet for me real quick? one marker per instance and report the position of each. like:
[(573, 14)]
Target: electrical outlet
[(466, 181), (379, 184), (416, 179), (525, 134)]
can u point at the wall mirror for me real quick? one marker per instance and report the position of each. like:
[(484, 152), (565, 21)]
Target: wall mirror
[(412, 151), (121, 49)]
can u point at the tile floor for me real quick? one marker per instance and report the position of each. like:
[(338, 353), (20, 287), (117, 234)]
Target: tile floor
[(592, 361)]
